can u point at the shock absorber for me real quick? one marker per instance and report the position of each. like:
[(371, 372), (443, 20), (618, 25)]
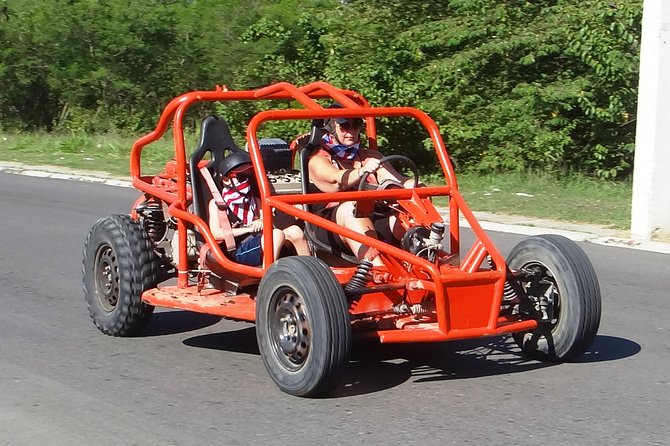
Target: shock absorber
[(435, 240), (436, 233), (418, 310), (153, 219), (360, 277), (508, 289)]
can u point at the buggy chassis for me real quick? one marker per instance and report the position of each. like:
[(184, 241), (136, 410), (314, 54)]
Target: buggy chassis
[(546, 294)]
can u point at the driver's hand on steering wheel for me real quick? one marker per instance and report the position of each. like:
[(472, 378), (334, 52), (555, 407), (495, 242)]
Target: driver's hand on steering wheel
[(370, 165)]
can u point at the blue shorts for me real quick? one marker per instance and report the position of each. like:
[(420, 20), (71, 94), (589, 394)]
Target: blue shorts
[(249, 251)]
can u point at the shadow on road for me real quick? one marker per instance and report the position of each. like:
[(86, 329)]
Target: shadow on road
[(609, 348), (177, 321), (376, 367), (239, 341)]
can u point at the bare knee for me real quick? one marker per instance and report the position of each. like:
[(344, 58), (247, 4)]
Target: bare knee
[(293, 233), (296, 236), (345, 217)]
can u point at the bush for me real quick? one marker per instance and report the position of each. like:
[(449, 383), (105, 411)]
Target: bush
[(547, 85)]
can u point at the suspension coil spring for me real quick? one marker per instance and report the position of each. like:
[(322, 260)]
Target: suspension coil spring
[(508, 292), (508, 289), (153, 219), (360, 277), (420, 309)]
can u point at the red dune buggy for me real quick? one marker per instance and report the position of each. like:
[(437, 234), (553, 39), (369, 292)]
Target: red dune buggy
[(308, 309)]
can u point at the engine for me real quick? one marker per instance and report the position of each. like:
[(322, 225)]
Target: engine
[(277, 158)]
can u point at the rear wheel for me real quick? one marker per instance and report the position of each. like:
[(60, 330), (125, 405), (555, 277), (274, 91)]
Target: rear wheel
[(303, 327), (119, 265), (557, 273)]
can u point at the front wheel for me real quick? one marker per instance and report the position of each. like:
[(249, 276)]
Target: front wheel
[(302, 326), (119, 265), (557, 272)]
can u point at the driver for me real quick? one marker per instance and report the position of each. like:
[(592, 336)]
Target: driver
[(340, 165)]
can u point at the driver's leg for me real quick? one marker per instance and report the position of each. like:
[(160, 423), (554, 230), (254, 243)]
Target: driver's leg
[(344, 215), (389, 229)]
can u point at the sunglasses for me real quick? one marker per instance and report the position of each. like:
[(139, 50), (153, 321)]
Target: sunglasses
[(351, 124)]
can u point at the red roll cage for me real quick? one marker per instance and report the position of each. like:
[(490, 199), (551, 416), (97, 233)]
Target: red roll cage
[(467, 296)]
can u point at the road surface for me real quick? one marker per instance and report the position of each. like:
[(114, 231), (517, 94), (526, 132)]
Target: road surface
[(198, 380)]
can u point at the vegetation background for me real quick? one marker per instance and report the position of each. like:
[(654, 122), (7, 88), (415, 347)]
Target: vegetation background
[(542, 86)]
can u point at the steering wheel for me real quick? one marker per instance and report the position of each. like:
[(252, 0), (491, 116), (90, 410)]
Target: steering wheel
[(384, 207)]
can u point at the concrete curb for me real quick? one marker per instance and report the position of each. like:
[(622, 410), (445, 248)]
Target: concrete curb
[(599, 238), (489, 222)]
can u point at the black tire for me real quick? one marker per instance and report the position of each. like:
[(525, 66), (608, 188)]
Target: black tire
[(563, 265), (119, 265), (303, 326)]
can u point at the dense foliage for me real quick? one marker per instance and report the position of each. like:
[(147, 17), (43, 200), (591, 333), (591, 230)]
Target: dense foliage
[(548, 85)]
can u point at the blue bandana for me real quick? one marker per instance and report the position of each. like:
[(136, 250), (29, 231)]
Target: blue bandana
[(340, 150)]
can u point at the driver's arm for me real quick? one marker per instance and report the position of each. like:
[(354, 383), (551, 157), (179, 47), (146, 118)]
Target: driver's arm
[(387, 172), (328, 178)]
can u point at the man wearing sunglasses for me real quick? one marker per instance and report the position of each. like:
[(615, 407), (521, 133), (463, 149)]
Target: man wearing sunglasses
[(339, 166)]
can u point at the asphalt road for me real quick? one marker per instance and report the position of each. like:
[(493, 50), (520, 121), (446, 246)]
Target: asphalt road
[(197, 380)]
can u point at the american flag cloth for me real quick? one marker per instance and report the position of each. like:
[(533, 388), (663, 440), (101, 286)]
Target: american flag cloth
[(340, 150), (237, 196)]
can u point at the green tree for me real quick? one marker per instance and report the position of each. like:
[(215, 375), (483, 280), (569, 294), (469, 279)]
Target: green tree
[(548, 85), (100, 64), (513, 89)]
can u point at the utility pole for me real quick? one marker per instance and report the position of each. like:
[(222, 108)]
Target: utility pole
[(650, 215)]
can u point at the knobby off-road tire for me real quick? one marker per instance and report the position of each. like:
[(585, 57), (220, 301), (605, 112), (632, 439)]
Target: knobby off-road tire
[(302, 326), (119, 265), (564, 266)]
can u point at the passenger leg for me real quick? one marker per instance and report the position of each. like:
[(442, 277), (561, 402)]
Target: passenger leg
[(297, 238), (278, 239)]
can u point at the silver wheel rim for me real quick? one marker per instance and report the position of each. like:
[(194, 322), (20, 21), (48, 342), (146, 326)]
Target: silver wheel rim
[(106, 277), (290, 331)]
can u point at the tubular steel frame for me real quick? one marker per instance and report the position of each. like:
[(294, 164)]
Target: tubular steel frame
[(467, 297)]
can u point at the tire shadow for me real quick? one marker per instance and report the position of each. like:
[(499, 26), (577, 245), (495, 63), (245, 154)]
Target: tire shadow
[(165, 323), (376, 367), (609, 348)]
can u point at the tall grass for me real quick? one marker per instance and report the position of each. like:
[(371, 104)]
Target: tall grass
[(108, 152), (572, 197)]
